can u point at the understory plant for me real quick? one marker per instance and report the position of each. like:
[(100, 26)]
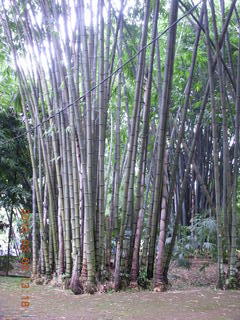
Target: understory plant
[(196, 240)]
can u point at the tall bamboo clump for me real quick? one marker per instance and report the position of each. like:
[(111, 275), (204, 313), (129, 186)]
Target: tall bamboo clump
[(119, 161)]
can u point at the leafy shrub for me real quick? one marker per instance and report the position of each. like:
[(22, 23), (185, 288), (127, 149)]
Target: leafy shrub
[(142, 280), (203, 232), (197, 239)]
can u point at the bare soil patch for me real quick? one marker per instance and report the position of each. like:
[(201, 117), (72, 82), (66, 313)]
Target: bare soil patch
[(202, 272)]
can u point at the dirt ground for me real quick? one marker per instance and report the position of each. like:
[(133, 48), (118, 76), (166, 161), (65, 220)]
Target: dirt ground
[(48, 303)]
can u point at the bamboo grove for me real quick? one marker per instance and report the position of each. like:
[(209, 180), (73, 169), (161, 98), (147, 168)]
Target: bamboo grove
[(132, 121)]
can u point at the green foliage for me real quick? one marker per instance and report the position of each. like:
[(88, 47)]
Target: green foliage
[(14, 161), (232, 283), (197, 239), (143, 280), (3, 263), (204, 231)]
